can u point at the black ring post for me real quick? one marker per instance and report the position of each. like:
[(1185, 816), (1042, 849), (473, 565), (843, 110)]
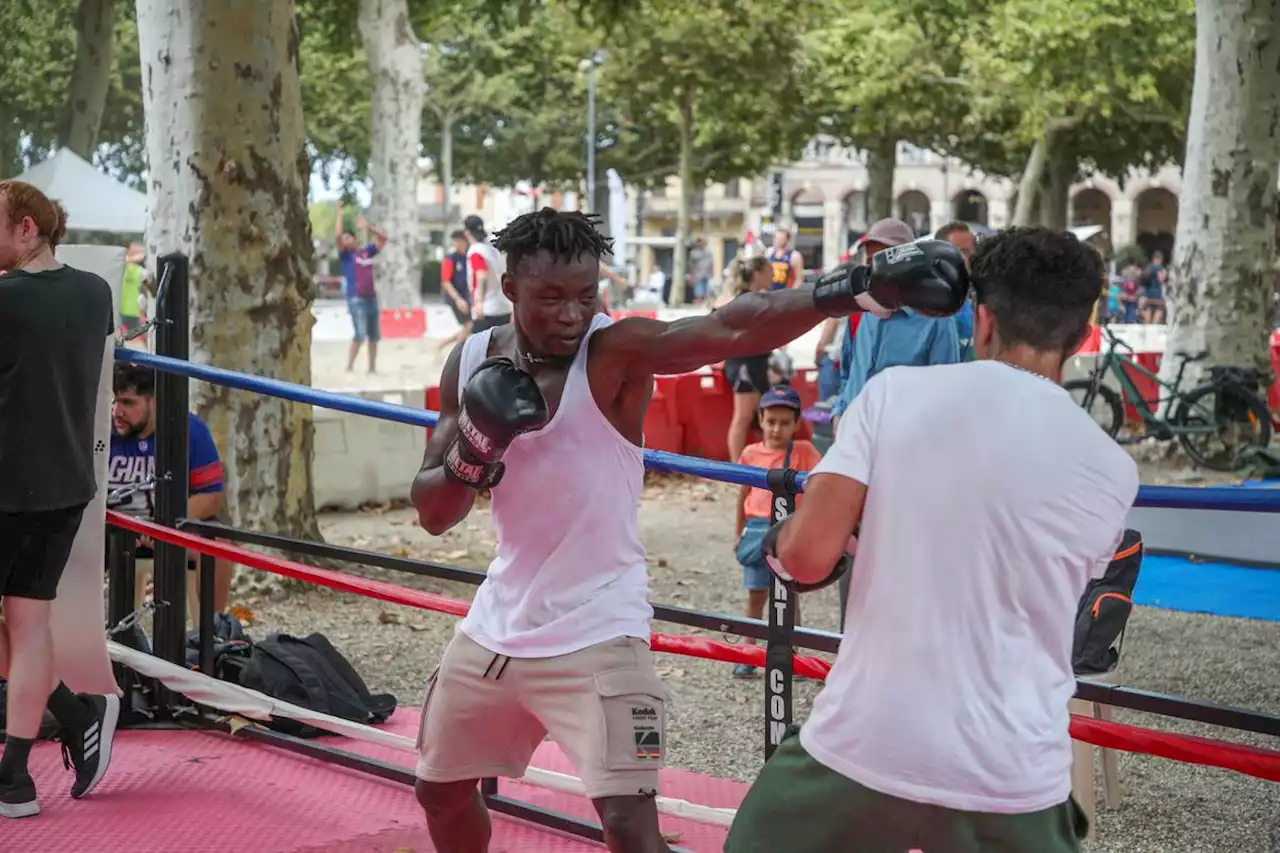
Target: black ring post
[(208, 575), (120, 588), (172, 476), (782, 623)]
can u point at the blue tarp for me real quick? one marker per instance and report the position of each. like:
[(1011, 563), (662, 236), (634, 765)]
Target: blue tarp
[(1222, 589)]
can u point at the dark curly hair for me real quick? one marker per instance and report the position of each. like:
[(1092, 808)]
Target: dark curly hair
[(1040, 286), (566, 234), (127, 378)]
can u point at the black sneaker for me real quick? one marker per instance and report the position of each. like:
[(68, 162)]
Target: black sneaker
[(18, 798), (89, 751)]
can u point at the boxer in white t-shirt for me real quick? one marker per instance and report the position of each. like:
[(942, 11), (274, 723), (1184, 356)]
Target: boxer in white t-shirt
[(987, 500)]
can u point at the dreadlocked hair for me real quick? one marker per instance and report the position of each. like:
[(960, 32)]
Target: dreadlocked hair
[(566, 235)]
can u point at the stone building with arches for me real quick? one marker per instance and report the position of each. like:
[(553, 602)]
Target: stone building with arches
[(824, 202)]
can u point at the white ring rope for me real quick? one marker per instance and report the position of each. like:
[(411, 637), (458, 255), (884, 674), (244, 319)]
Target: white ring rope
[(235, 699)]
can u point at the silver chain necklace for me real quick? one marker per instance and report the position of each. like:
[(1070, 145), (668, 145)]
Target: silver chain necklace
[(1028, 372), (533, 359)]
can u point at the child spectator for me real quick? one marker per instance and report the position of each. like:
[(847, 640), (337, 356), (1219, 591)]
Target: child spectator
[(779, 417)]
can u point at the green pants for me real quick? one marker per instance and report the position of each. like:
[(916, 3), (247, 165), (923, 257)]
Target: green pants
[(797, 805)]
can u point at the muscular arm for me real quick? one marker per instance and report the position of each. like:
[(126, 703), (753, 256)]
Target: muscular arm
[(819, 532), (750, 324), (204, 506), (442, 503)]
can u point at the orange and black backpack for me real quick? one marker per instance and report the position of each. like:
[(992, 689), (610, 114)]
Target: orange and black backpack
[(1105, 608)]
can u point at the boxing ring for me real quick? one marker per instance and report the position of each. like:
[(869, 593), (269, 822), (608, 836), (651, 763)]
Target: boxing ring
[(196, 768)]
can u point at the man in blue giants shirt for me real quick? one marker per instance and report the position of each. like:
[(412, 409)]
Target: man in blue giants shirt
[(133, 466)]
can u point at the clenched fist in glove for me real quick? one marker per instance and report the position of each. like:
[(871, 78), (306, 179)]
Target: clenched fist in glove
[(769, 547), (928, 276), (499, 403)]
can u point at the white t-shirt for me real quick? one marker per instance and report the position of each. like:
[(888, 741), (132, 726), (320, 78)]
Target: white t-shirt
[(487, 287), (992, 499)]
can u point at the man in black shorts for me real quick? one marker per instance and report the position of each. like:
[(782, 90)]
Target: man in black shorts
[(56, 324)]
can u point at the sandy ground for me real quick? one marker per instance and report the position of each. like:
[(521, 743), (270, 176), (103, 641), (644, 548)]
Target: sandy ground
[(717, 722)]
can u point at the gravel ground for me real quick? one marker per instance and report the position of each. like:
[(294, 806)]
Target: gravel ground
[(717, 723)]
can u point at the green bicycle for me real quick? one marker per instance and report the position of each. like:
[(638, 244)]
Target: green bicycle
[(1220, 423)]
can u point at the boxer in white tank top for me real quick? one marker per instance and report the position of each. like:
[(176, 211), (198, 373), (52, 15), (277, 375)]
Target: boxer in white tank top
[(547, 414)]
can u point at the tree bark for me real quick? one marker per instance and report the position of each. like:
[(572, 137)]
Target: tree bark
[(1029, 185), (1220, 294), (1056, 185), (228, 188), (395, 67), (680, 260), (1033, 174), (882, 161), (446, 163), (91, 76)]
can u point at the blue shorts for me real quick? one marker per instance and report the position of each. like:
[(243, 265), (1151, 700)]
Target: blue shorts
[(700, 287), (755, 571), (365, 318)]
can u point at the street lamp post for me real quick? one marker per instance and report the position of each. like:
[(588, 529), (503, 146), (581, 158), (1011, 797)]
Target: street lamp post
[(589, 65)]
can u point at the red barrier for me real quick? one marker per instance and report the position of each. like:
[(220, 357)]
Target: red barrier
[(662, 430), (431, 402), (1251, 761), (1273, 396), (1092, 342), (620, 315), (704, 409), (403, 322)]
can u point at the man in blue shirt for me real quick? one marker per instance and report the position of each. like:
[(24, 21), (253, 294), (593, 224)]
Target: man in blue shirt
[(900, 338), (132, 470), (903, 338), (961, 236), (357, 263)]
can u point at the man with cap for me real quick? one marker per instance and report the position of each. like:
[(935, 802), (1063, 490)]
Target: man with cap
[(889, 338), (485, 268)]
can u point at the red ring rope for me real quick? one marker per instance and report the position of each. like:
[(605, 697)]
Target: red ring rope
[(1249, 760)]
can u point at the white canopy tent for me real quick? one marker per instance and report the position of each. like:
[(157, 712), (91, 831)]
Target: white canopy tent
[(94, 201)]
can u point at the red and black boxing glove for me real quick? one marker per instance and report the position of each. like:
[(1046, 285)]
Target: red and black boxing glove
[(769, 546), (499, 403)]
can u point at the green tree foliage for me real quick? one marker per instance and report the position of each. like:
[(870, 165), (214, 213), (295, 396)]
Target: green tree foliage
[(1104, 84), (724, 83), (335, 98), (509, 89), (35, 65)]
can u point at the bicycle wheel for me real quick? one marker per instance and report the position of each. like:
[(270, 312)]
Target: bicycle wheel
[(1104, 404), (1234, 420)]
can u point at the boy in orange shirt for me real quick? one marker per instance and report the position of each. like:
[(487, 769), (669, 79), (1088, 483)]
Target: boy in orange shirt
[(779, 418)]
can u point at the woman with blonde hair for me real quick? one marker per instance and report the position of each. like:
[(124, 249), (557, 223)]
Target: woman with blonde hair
[(747, 376)]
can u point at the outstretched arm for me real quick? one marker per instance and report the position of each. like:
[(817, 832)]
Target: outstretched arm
[(750, 324), (440, 501)]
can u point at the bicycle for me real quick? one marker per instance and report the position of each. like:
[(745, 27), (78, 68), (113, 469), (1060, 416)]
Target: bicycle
[(1227, 407)]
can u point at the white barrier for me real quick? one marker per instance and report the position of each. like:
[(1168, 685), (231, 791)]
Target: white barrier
[(79, 647), (360, 459)]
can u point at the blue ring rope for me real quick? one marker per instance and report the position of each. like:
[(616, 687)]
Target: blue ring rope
[(1163, 497)]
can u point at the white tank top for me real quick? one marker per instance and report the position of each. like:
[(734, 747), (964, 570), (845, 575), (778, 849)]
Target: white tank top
[(570, 569)]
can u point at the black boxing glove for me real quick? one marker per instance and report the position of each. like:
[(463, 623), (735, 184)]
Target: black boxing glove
[(768, 546), (499, 403), (928, 276)]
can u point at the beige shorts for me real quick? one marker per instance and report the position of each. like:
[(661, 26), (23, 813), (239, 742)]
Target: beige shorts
[(485, 714)]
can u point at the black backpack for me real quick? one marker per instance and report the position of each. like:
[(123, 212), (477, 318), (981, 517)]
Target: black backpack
[(311, 673), (232, 648), (1105, 608)]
